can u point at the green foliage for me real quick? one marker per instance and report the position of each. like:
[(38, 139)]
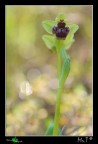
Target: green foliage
[(50, 129), (65, 67)]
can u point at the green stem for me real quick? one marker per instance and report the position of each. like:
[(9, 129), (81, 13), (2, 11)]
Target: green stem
[(58, 47), (57, 112), (58, 98)]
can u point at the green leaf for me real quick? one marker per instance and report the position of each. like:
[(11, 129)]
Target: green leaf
[(48, 24), (49, 41), (49, 130), (65, 68), (60, 16)]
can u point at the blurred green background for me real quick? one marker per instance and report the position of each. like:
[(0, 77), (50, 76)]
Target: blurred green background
[(31, 72)]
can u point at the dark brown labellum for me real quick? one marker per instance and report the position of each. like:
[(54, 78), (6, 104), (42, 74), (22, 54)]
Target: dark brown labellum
[(60, 30), (62, 33)]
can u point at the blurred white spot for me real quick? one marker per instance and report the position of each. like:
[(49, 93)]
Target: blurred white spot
[(25, 89)]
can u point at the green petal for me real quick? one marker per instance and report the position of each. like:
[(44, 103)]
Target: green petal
[(70, 38), (48, 24), (49, 41)]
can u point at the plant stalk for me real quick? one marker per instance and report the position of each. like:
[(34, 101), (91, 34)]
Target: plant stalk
[(60, 89)]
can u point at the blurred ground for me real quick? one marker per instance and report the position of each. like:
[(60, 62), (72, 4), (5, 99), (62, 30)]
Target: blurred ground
[(31, 72)]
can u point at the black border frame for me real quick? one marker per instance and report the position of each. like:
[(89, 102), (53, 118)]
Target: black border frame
[(26, 139)]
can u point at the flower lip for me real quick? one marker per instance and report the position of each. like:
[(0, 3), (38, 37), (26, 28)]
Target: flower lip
[(61, 31)]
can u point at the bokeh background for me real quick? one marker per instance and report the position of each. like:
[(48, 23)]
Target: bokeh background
[(31, 72)]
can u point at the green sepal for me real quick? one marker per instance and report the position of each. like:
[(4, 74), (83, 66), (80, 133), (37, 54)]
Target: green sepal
[(50, 41), (61, 16), (48, 24)]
